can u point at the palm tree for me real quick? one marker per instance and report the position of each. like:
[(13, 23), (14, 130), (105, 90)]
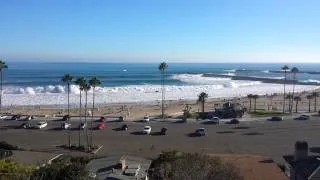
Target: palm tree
[(86, 88), (94, 82), (309, 97), (67, 78), (285, 69), (80, 82), (297, 99), (3, 66), (289, 96), (202, 98), (315, 94), (255, 97), (162, 67), (294, 70), (250, 97)]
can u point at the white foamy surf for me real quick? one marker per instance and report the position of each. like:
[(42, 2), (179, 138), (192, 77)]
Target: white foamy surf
[(215, 87), (312, 81)]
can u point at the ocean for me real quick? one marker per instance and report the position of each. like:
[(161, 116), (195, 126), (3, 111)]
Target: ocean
[(39, 83)]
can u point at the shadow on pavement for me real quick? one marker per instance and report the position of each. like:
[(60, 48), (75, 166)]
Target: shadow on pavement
[(137, 133), (241, 127), (253, 134), (225, 132), (315, 150)]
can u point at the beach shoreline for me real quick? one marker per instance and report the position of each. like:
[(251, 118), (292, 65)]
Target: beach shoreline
[(136, 110)]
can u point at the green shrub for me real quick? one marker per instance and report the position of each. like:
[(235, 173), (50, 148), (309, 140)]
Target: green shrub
[(190, 166), (262, 113), (12, 170), (68, 168), (202, 115)]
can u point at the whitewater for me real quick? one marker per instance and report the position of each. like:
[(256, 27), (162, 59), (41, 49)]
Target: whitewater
[(39, 83), (194, 84)]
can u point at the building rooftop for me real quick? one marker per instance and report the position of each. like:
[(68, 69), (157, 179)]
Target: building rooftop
[(110, 167), (253, 167), (303, 167)]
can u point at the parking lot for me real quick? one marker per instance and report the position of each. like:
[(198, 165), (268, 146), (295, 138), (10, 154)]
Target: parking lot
[(261, 137)]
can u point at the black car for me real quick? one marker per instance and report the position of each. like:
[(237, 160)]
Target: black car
[(15, 117), (124, 127), (26, 125), (303, 117), (200, 132), (66, 118), (163, 131), (276, 118), (234, 121)]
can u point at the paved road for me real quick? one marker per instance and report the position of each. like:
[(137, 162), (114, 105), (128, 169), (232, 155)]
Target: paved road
[(262, 137)]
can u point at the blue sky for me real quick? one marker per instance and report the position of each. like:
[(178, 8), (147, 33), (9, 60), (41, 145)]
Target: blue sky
[(157, 30)]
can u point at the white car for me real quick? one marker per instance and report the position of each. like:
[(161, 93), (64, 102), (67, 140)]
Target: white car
[(3, 117), (215, 120), (65, 125), (146, 119), (147, 130), (41, 124)]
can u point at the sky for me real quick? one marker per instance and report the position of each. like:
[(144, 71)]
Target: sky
[(160, 30)]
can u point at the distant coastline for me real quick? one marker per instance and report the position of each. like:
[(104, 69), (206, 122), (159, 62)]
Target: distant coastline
[(261, 79)]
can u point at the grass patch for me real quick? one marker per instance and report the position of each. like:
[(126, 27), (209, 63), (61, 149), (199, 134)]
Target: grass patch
[(262, 113)]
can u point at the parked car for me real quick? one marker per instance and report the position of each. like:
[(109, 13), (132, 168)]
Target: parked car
[(101, 126), (16, 117), (3, 117), (124, 127), (65, 125), (215, 120), (303, 117), (200, 132), (26, 125), (163, 131), (276, 118), (82, 125), (102, 119), (29, 118), (146, 119), (66, 118), (147, 130), (234, 121), (41, 124)]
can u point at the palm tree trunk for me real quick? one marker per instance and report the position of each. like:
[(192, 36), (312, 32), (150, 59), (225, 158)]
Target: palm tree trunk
[(296, 106), (255, 105), (250, 105), (69, 137), (309, 105), (1, 91), (85, 117), (284, 91), (80, 118), (202, 106), (315, 103), (91, 134), (294, 84), (162, 100)]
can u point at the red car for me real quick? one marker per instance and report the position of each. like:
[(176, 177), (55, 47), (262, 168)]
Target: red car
[(101, 126), (102, 119)]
